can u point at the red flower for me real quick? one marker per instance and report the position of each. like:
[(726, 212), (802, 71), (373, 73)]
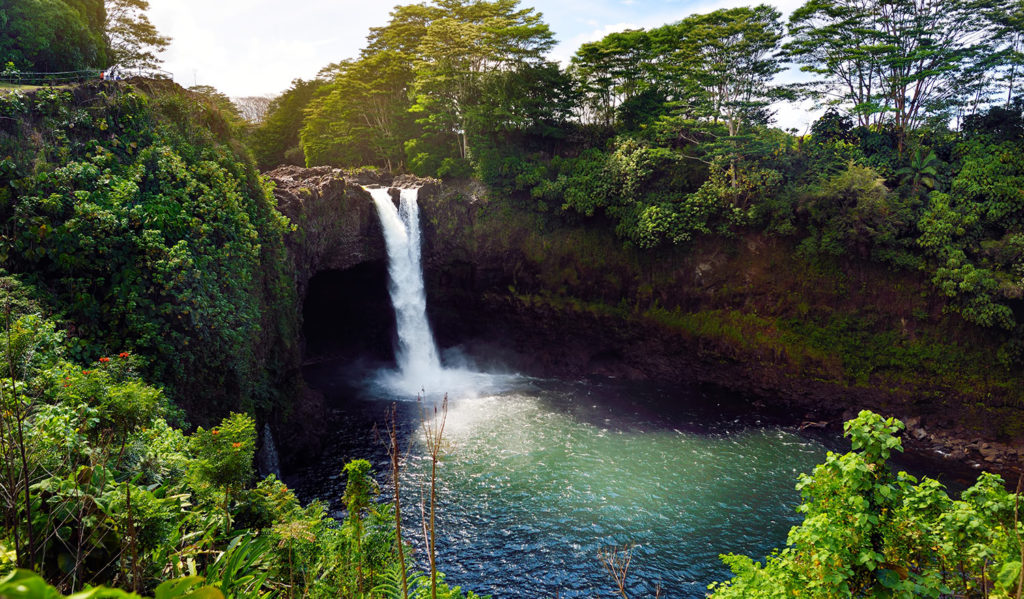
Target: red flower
[(123, 354), (104, 360), (236, 445), (86, 371), (215, 432)]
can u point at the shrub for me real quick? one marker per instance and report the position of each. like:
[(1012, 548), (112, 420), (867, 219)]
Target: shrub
[(869, 532)]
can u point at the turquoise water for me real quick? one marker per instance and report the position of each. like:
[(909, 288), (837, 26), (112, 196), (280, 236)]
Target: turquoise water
[(539, 476)]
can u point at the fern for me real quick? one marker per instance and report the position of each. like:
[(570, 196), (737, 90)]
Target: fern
[(391, 587)]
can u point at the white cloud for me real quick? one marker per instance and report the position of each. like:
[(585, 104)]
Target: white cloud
[(255, 47), (796, 115)]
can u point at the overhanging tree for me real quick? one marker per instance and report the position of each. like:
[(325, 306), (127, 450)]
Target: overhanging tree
[(132, 39)]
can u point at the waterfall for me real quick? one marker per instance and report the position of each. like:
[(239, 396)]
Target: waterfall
[(419, 365), (267, 459), (416, 354)]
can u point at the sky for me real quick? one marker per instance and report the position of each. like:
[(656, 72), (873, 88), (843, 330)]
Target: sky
[(257, 47)]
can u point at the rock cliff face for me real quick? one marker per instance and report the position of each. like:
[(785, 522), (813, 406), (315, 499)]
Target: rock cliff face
[(336, 223), (748, 313), (745, 313)]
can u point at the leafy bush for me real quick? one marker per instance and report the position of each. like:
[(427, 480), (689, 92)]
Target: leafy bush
[(105, 491), (869, 532), (154, 236), (853, 212), (715, 207), (972, 232)]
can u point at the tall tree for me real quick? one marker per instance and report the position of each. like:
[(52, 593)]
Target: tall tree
[(1008, 21), (133, 40), (361, 117), (898, 61), (93, 12), (467, 39), (611, 71), (728, 58), (51, 35), (276, 141)]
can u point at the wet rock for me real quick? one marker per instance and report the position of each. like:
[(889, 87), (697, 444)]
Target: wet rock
[(988, 452), (819, 425)]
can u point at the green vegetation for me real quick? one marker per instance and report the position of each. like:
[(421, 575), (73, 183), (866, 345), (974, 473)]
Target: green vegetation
[(72, 40), (276, 142), (132, 40), (143, 247), (102, 488), (664, 134), (52, 35), (148, 227), (146, 278), (869, 532)]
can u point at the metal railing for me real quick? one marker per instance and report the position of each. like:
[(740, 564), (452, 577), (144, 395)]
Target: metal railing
[(65, 77)]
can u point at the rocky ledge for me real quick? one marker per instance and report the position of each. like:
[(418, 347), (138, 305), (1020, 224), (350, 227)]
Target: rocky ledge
[(336, 224)]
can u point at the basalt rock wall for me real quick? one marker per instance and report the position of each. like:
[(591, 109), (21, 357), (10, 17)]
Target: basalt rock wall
[(335, 222), (822, 340), (526, 292)]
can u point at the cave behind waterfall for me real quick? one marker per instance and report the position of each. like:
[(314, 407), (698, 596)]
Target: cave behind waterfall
[(348, 314)]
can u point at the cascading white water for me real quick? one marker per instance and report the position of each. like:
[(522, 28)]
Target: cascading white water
[(419, 365), (416, 353)]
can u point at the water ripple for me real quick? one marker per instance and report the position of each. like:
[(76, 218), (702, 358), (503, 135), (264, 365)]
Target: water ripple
[(541, 477)]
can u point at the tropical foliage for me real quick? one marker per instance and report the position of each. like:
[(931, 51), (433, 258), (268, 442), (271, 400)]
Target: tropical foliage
[(870, 532), (148, 273), (53, 35), (101, 487), (153, 235), (62, 36), (665, 133)]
